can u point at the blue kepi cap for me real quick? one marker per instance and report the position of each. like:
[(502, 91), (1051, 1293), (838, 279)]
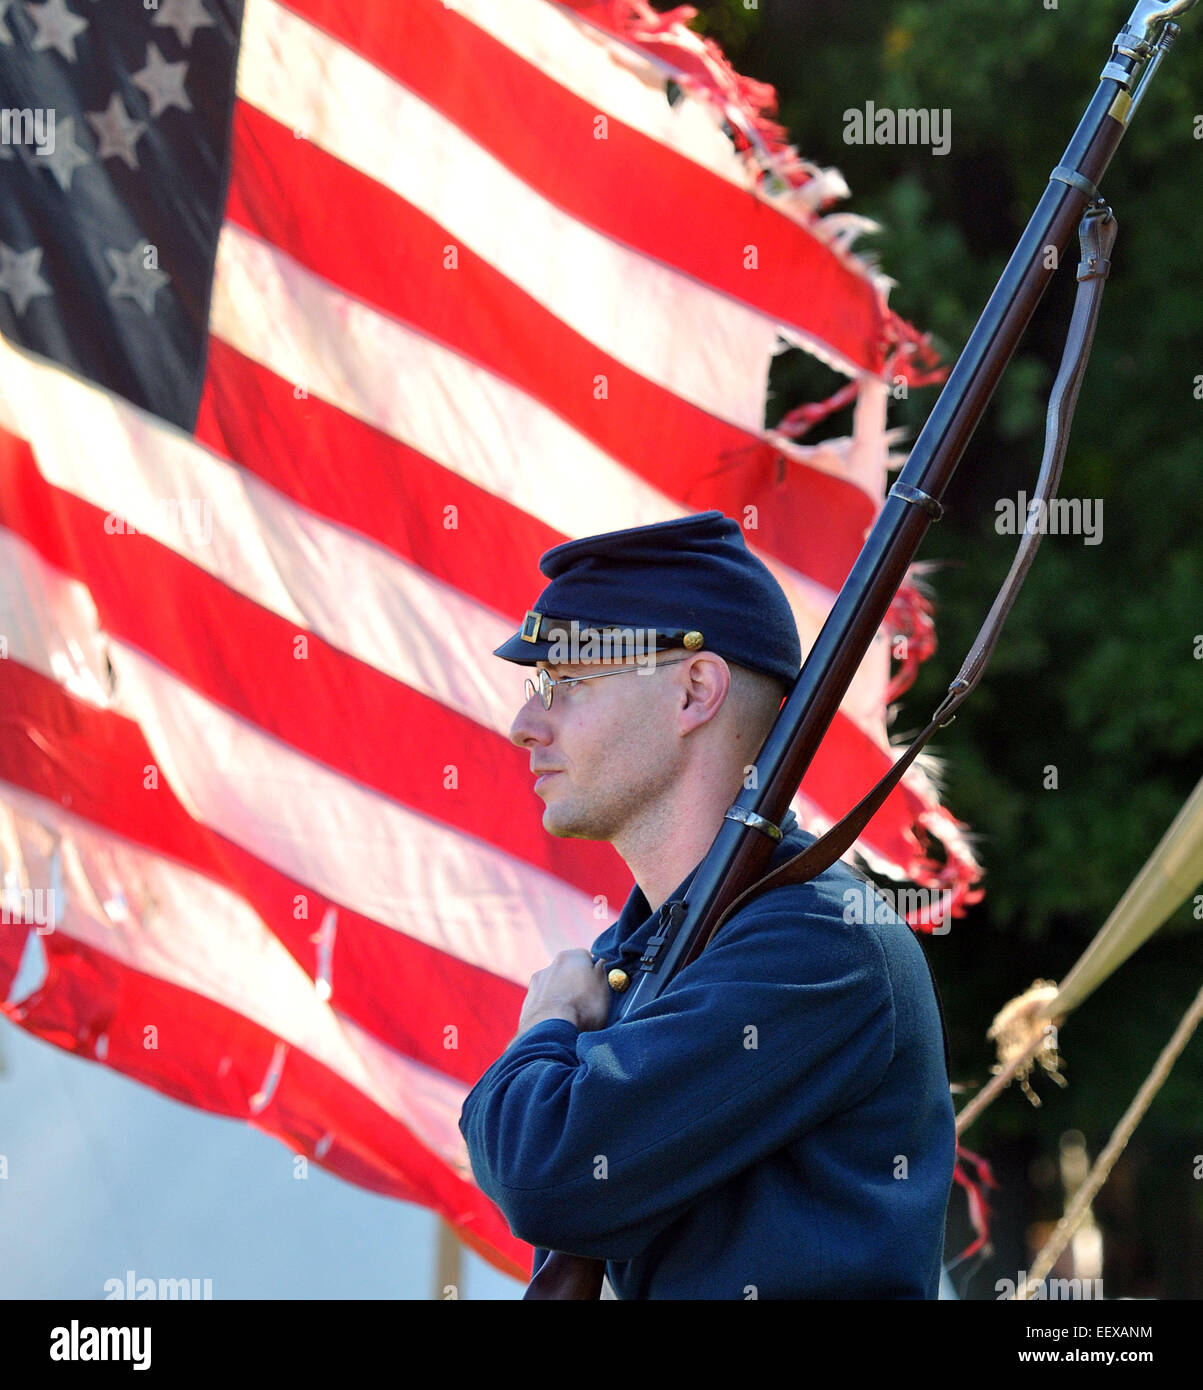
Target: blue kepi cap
[(691, 582)]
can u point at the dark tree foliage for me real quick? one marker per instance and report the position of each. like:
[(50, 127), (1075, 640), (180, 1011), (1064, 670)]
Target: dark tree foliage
[(1086, 734)]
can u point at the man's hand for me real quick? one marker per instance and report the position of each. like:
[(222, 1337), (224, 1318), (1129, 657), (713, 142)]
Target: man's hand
[(573, 988)]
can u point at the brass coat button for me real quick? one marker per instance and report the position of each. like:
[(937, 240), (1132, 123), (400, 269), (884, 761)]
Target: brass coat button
[(618, 980)]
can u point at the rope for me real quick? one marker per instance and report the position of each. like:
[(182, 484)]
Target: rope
[(968, 1113), (1099, 1174), (1170, 875), (1024, 1035)]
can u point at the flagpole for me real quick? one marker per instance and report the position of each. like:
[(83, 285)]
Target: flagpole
[(448, 1271)]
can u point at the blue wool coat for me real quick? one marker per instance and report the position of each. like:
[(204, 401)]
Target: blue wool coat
[(777, 1124)]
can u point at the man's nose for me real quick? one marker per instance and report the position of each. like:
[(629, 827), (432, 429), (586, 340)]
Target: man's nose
[(531, 724)]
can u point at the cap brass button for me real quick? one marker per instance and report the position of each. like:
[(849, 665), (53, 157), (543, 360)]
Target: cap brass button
[(693, 640), (618, 980)]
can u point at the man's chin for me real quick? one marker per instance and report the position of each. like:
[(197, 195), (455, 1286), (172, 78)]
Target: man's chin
[(558, 821)]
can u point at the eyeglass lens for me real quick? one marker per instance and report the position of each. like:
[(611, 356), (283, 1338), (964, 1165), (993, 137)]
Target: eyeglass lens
[(544, 687)]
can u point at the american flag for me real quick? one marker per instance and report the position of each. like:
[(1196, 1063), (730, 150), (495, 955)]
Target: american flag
[(321, 322)]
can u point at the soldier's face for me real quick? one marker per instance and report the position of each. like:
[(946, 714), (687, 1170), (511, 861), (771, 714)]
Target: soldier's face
[(605, 751)]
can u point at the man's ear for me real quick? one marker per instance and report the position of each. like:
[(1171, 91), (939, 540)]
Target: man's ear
[(705, 681)]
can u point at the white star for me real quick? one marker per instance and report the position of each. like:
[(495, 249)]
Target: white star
[(118, 134), (66, 156), (19, 276), (185, 17), (57, 27), (135, 278), (163, 82)]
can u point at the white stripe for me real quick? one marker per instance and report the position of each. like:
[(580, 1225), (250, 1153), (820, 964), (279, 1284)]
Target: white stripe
[(350, 591), (699, 343), (611, 77), (180, 927), (50, 623)]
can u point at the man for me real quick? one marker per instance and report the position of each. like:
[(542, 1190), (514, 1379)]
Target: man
[(777, 1123)]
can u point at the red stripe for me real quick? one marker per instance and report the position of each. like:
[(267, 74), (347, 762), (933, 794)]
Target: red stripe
[(92, 763), (544, 133), (215, 1058), (846, 767), (297, 197)]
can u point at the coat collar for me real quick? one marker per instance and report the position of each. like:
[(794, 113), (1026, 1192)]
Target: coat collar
[(622, 944)]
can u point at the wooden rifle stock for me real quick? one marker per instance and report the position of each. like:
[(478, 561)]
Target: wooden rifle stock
[(567, 1278), (740, 853)]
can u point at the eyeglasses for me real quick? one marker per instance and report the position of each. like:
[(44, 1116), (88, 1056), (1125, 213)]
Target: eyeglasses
[(546, 686)]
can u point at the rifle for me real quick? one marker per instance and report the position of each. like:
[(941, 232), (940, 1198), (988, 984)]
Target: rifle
[(733, 866)]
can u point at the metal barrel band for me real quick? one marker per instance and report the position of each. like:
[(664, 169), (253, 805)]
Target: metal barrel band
[(750, 818), (1064, 174), (931, 505)]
